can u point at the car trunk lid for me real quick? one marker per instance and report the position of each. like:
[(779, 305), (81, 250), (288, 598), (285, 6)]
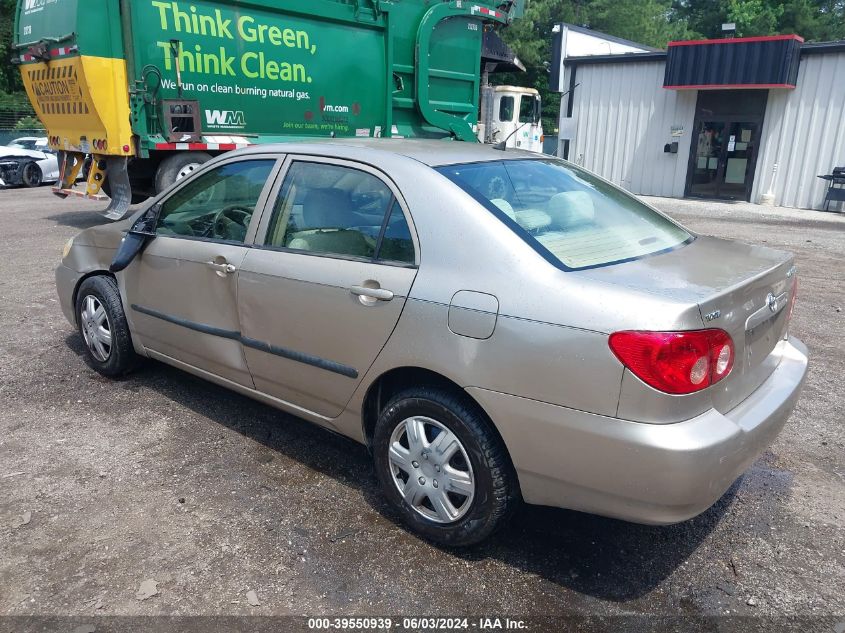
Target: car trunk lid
[(743, 289)]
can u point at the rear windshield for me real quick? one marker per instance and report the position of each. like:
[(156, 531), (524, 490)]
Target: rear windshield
[(570, 216)]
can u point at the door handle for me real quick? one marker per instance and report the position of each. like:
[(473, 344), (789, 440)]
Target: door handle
[(379, 294), (226, 269)]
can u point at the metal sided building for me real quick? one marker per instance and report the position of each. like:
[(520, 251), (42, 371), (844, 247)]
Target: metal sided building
[(754, 119)]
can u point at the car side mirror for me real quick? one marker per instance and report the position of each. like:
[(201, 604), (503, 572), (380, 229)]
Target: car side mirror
[(138, 236)]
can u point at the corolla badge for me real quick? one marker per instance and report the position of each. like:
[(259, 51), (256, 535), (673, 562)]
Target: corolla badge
[(772, 302)]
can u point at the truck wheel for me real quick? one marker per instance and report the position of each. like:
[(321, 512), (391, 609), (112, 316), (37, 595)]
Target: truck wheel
[(443, 467), (174, 168), (31, 175)]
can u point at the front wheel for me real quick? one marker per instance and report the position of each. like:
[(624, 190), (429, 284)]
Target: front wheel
[(443, 467), (102, 325), (31, 175)]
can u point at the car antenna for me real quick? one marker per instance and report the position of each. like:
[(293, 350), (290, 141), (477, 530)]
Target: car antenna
[(502, 146)]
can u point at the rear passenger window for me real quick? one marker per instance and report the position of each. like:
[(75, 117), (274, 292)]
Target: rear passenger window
[(396, 244), (337, 210)]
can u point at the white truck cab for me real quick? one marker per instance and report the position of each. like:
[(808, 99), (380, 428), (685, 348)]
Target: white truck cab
[(516, 118)]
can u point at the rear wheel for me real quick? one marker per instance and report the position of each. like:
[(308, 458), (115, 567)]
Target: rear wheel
[(178, 166), (102, 325), (443, 467), (31, 175)]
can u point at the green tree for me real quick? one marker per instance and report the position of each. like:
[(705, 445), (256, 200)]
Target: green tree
[(30, 122), (10, 76), (815, 20), (754, 17), (650, 22), (531, 39), (655, 23), (703, 18), (531, 35)]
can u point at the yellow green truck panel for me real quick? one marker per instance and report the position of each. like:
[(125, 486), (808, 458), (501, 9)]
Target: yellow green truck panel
[(254, 71)]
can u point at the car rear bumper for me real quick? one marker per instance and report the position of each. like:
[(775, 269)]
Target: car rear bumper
[(646, 473)]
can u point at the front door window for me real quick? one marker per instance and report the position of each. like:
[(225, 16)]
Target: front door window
[(217, 205)]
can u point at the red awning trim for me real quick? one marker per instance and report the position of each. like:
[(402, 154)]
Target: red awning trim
[(737, 40), (729, 86)]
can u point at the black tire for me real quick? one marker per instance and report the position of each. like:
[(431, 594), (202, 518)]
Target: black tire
[(121, 357), (496, 492), (31, 175), (169, 169)]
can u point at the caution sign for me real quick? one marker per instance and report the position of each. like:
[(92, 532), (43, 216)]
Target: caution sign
[(80, 99), (56, 88)]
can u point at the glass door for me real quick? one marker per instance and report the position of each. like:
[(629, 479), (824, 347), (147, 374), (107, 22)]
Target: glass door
[(707, 159), (723, 159), (739, 151)]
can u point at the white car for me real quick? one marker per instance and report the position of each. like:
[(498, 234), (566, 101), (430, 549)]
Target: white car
[(28, 161), (38, 143)]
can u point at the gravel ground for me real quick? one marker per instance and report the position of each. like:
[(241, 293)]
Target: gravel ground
[(162, 477)]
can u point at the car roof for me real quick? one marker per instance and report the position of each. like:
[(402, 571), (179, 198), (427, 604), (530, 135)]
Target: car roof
[(431, 152)]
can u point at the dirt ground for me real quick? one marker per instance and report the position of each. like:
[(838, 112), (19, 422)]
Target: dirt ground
[(163, 477)]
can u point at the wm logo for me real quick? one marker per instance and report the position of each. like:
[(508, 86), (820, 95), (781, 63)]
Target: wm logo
[(223, 117), (33, 4)]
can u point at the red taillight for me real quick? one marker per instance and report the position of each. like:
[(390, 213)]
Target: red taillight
[(676, 362)]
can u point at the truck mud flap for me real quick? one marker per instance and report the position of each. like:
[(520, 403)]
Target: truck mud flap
[(119, 188)]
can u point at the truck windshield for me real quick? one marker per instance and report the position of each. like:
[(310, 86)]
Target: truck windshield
[(570, 216)]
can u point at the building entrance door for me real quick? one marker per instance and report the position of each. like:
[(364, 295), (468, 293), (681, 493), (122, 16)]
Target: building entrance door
[(724, 153), (725, 143)]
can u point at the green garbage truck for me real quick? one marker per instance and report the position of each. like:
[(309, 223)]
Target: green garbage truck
[(151, 89)]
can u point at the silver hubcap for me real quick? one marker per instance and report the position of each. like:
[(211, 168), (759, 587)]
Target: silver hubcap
[(187, 170), (431, 469), (96, 329)]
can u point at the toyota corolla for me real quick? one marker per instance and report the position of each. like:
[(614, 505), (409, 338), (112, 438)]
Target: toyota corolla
[(495, 326)]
